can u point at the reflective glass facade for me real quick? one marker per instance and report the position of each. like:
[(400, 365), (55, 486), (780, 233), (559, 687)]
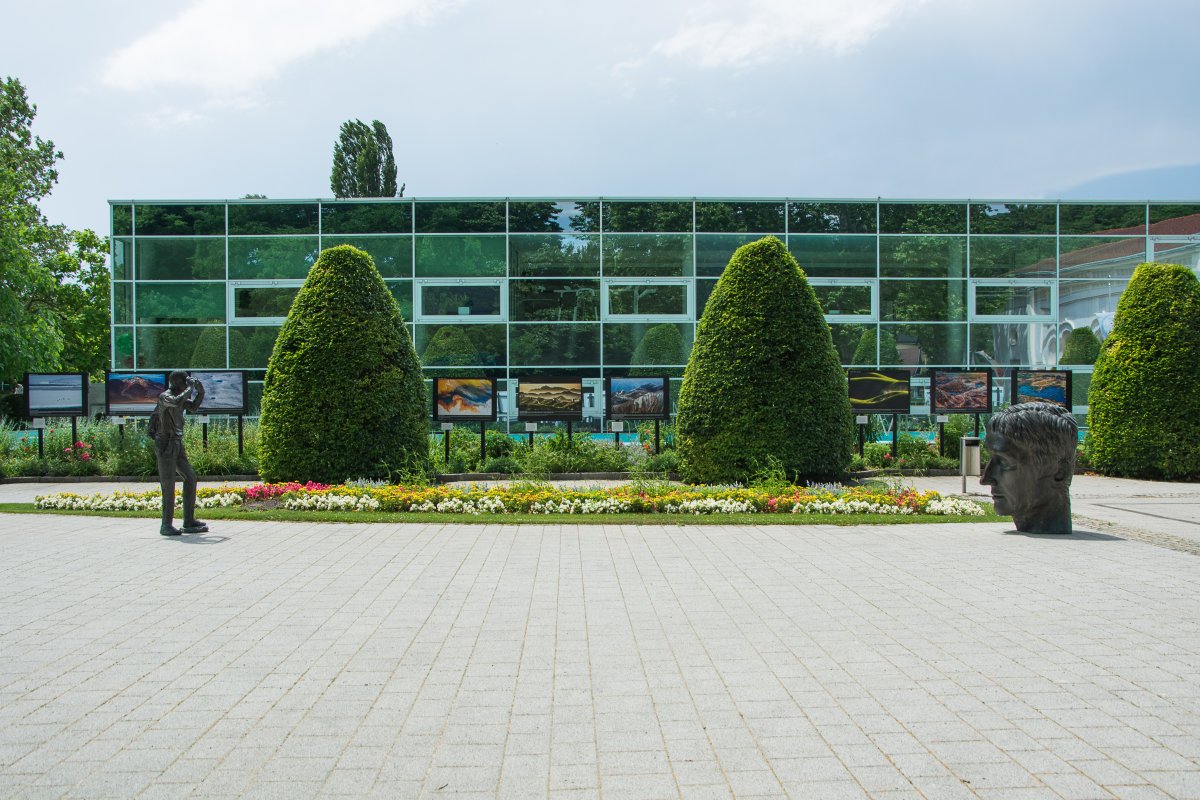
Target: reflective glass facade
[(598, 286)]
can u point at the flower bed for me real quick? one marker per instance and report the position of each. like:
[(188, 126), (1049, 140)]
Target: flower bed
[(545, 499)]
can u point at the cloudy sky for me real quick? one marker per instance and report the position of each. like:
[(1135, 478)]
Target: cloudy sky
[(525, 98)]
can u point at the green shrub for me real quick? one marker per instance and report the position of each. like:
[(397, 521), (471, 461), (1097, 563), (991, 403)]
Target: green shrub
[(763, 380), (503, 464), (662, 344), (451, 347), (1145, 393), (865, 353), (1082, 347), (343, 395), (582, 454)]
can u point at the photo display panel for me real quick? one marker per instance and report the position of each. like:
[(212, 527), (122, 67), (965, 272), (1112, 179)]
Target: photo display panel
[(961, 391), (464, 399), (879, 391), (1042, 386), (637, 398), (58, 394), (132, 393), (550, 398), (224, 391)]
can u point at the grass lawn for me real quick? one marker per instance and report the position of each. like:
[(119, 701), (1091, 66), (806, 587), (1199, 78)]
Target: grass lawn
[(284, 515)]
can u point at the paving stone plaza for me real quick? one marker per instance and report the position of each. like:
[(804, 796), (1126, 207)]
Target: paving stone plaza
[(489, 661)]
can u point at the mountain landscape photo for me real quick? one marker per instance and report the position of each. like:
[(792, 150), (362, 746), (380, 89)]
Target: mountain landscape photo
[(637, 397), (539, 398)]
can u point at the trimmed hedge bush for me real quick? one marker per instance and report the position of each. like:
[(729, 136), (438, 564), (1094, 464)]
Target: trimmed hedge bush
[(662, 344), (451, 347), (1082, 347), (343, 396), (1145, 393), (865, 353), (763, 384)]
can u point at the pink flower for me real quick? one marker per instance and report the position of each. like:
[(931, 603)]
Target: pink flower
[(85, 456), (79, 444)]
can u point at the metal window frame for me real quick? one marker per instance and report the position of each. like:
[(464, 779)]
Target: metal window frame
[(420, 284), (1033, 283), (231, 287), (689, 298), (871, 283)]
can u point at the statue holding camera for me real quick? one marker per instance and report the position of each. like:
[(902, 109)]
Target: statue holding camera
[(184, 393)]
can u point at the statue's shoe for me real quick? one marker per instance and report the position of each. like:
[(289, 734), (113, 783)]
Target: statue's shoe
[(167, 530), (195, 526)]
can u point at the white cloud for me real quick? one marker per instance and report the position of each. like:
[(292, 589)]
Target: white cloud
[(234, 45), (770, 29)]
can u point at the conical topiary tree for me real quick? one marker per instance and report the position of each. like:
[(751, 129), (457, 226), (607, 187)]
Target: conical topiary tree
[(343, 396), (865, 353), (661, 346), (1144, 404), (451, 347), (763, 382), (1082, 347)]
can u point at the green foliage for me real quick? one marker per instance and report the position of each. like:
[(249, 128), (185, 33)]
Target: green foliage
[(343, 395), (1145, 393), (451, 347), (865, 352), (764, 378), (53, 281), (363, 162), (662, 344), (582, 454), (1081, 347)]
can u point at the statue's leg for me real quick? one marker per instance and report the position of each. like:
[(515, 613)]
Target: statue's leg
[(164, 450), (191, 524)]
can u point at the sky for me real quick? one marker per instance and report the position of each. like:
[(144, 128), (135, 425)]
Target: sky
[(984, 99)]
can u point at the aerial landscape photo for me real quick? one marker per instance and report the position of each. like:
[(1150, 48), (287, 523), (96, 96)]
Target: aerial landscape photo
[(967, 391), (133, 392), (56, 394), (466, 397), (637, 397), (223, 390), (1043, 385), (879, 390)]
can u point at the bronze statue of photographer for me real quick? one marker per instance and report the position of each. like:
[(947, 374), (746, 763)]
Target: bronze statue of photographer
[(166, 429)]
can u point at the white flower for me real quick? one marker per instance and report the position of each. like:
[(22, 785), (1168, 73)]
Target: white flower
[(955, 506), (709, 505)]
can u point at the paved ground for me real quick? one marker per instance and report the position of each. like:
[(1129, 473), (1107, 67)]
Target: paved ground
[(469, 661)]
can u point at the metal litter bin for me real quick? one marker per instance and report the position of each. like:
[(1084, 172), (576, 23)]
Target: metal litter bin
[(969, 458)]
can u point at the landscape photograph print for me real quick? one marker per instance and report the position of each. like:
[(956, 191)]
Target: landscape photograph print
[(464, 399), (224, 391), (56, 395), (638, 398), (1042, 386), (879, 391), (962, 391), (550, 398), (132, 392)]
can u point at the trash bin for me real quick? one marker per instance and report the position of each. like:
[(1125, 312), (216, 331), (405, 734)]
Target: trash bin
[(968, 458)]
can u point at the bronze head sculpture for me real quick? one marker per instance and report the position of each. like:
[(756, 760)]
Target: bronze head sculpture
[(1032, 449)]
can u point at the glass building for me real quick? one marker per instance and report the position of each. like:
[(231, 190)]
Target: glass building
[(601, 286)]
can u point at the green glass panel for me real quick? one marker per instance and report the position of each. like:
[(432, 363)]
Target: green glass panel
[(847, 338), (1020, 218), (1089, 304), (460, 300), (122, 303), (122, 348), (190, 259), (554, 345), (250, 302), (647, 343), (648, 216), (402, 291), (1013, 257), (1013, 300), (922, 217), (922, 301), (486, 346), (1099, 257), (122, 259), (713, 251), (538, 216), (460, 256), (929, 345), (1001, 344), (271, 257), (254, 393), (844, 300), (1175, 219), (392, 254), (256, 219), (181, 348), (923, 256), (651, 255), (831, 217), (377, 216), (641, 300), (122, 220), (179, 220), (587, 217), (704, 291), (565, 255), (180, 303), (464, 217), (250, 346), (553, 300), (824, 256), (1111, 218), (740, 216)]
